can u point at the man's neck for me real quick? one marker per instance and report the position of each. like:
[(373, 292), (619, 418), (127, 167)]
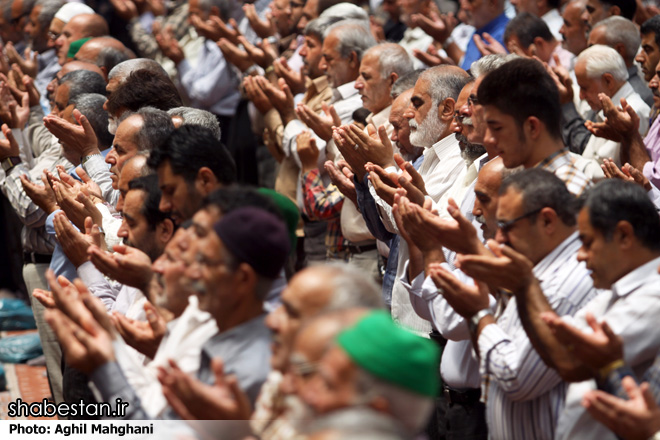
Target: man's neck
[(241, 314), (543, 148)]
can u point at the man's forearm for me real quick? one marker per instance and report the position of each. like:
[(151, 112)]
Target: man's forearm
[(633, 151)]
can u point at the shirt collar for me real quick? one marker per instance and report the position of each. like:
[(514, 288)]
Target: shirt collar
[(380, 118), (444, 147), (345, 91), (637, 278)]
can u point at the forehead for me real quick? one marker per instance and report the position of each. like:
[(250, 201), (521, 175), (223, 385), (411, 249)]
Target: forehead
[(509, 203), (133, 201), (129, 127), (370, 62), (493, 114), (400, 104), (489, 180), (584, 223), (331, 42), (597, 35), (463, 96), (649, 39), (421, 87)]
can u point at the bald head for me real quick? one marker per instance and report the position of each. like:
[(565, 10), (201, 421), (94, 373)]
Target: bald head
[(80, 26), (89, 51)]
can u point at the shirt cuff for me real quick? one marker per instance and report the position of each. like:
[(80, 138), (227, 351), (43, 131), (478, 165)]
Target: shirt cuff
[(491, 336), (109, 379)]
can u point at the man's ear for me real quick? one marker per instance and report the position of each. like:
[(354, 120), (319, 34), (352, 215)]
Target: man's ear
[(549, 219), (164, 231), (615, 10), (353, 60), (446, 109), (206, 182), (393, 77), (624, 233), (532, 127), (608, 79)]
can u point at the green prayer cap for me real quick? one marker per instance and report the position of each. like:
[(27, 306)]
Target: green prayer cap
[(75, 46), (289, 211), (379, 346)]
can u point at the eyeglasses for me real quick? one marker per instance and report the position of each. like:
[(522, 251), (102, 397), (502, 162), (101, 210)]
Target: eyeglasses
[(53, 36), (459, 117), (473, 100), (505, 226)]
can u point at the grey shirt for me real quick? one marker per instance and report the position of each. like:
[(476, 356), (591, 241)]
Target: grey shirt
[(245, 352)]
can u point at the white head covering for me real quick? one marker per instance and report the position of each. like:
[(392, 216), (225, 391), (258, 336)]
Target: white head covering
[(70, 10)]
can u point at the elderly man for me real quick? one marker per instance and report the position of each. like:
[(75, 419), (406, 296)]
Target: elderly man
[(622, 35), (364, 358), (600, 69), (517, 380)]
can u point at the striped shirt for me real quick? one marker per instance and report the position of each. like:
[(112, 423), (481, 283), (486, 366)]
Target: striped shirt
[(631, 308), (563, 166), (524, 397)]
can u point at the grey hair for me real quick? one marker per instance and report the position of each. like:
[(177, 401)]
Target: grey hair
[(409, 408), (485, 65), (351, 289), (48, 10), (109, 57), (223, 6), (405, 82), (318, 26), (91, 105), (83, 81), (621, 30), (347, 11), (5, 6), (392, 59), (600, 59), (122, 70), (157, 126), (353, 36), (444, 82), (195, 116)]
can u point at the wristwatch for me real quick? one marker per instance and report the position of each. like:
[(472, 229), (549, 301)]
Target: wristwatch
[(473, 323), (10, 162), (86, 158)]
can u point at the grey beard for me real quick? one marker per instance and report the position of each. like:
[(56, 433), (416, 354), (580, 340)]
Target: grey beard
[(470, 151)]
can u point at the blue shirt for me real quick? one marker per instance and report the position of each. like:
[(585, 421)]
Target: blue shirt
[(495, 28)]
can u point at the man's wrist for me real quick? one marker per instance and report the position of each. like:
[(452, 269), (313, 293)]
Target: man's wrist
[(473, 322), (88, 156), (8, 163)]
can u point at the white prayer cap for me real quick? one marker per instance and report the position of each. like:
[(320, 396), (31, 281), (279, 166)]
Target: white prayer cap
[(70, 10)]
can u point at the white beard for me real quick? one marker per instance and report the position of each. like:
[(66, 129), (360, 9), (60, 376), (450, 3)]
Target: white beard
[(427, 133)]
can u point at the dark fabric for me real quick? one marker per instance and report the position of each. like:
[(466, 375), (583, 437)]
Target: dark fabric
[(75, 389), (242, 144)]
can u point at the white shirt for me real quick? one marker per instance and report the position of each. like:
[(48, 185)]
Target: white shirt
[(440, 167), (523, 395), (212, 84), (554, 21), (182, 342), (416, 38), (459, 366), (631, 309)]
